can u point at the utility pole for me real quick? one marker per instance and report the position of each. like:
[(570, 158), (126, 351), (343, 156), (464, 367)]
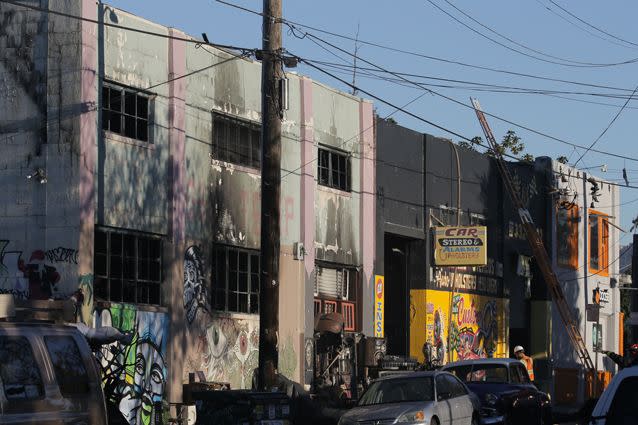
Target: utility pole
[(271, 109)]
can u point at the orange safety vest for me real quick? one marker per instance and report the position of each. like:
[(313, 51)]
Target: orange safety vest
[(529, 365)]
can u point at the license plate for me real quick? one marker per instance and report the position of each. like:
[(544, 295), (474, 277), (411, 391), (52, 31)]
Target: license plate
[(270, 422)]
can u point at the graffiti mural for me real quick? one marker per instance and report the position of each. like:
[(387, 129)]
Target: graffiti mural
[(134, 375), (231, 351), (40, 276), (195, 294), (459, 327)]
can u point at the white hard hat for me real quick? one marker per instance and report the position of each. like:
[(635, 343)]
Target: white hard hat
[(518, 348)]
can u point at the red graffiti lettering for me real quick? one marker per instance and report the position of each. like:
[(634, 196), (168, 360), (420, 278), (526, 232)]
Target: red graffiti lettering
[(466, 315)]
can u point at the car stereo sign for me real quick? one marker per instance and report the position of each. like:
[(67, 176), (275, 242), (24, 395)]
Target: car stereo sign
[(460, 246)]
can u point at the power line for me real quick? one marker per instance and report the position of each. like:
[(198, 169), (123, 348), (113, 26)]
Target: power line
[(122, 27), (467, 15), (576, 64), (590, 25), (481, 86), (546, 7), (424, 56), (606, 128), (307, 34)]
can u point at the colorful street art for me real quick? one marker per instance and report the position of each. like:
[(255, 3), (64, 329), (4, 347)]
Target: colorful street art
[(231, 351), (195, 293), (134, 376), (45, 275), (457, 327)]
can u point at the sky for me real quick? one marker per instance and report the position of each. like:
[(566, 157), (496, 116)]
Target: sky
[(589, 42)]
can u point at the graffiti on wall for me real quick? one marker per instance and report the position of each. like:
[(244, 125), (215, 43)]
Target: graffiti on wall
[(39, 276), (231, 351), (457, 327), (134, 375), (195, 293)]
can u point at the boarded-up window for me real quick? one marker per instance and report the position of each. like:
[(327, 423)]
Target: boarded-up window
[(567, 218)]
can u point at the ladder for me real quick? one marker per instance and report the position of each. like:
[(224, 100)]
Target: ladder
[(538, 249)]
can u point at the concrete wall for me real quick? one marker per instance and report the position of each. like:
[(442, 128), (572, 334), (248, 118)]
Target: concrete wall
[(40, 96), (578, 284)]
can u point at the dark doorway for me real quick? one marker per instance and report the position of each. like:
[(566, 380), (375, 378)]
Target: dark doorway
[(397, 297)]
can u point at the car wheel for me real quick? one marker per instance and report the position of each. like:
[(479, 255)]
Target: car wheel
[(435, 420), (475, 419)]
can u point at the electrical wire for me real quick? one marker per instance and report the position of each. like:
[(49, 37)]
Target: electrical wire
[(590, 25), (546, 7), (307, 34), (126, 28), (606, 128), (569, 63), (422, 55), (467, 15), (373, 73)]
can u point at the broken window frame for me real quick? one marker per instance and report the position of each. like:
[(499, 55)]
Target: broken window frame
[(128, 274), (228, 267), (334, 168), (139, 118), (236, 141), (598, 223), (567, 235)]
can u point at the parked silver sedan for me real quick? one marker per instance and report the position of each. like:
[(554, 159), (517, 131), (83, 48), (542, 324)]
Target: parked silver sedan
[(429, 398)]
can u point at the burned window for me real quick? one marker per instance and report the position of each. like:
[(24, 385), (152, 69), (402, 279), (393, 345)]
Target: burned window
[(236, 141), (19, 373), (567, 218), (333, 169), (598, 243), (125, 111), (236, 280), (127, 266)]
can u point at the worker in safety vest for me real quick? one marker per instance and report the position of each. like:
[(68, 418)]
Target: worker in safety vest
[(519, 352)]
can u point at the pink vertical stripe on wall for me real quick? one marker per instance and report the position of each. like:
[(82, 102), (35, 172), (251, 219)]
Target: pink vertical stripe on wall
[(177, 134), (366, 126), (308, 183)]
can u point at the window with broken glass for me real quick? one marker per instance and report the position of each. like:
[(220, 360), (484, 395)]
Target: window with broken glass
[(333, 169), (127, 266), (235, 279), (236, 141), (125, 111)]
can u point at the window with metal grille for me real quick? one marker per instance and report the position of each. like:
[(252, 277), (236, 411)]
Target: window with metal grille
[(333, 169), (335, 291), (236, 141), (235, 279), (348, 310), (125, 111), (127, 266)]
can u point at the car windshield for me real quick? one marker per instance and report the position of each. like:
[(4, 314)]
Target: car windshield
[(488, 373), (398, 390)]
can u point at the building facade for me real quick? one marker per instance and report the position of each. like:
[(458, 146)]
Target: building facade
[(132, 171), (453, 313)]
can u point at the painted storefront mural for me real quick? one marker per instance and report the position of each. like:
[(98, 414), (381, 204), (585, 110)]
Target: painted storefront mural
[(226, 346), (456, 327), (38, 274), (134, 375), (231, 351)]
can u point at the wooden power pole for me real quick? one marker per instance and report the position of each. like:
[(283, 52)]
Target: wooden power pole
[(271, 109)]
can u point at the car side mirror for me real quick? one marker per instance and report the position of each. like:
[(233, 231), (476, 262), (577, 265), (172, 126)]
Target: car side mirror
[(443, 396)]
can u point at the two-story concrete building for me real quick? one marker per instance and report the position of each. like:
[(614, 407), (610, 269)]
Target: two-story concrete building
[(131, 170)]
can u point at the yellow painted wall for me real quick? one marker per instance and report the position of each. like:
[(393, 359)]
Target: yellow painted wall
[(478, 324)]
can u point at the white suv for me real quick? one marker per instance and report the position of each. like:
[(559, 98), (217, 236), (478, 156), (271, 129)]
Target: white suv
[(618, 405), (48, 375)]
